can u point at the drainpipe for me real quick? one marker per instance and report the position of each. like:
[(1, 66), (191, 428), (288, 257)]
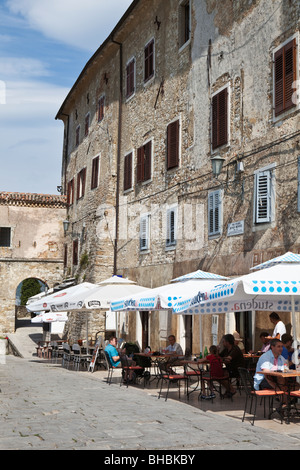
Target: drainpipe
[(65, 152), (118, 155)]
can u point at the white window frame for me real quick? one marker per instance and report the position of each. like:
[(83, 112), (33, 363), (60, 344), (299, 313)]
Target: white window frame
[(171, 242), (145, 232), (132, 59), (214, 202), (182, 44), (265, 176)]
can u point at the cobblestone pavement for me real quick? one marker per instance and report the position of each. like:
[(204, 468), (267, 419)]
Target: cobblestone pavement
[(44, 406)]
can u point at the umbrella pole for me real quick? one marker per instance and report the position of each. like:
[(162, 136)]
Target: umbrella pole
[(294, 333)]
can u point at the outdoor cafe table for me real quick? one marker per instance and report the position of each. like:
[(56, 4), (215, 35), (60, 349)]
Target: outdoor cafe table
[(155, 359), (285, 375)]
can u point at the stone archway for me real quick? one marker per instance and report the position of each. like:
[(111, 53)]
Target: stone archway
[(12, 273), (27, 288)]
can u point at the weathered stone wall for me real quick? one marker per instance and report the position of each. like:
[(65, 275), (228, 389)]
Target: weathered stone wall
[(36, 248), (231, 44)]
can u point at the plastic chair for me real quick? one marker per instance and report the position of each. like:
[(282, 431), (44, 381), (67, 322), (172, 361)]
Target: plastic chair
[(251, 393), (128, 371), (168, 375)]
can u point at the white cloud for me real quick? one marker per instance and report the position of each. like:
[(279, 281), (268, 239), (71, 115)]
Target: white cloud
[(22, 67), (81, 24)]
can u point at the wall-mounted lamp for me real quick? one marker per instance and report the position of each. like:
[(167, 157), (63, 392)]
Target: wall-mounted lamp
[(66, 224), (217, 164)]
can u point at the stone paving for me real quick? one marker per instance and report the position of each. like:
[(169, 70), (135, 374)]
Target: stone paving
[(46, 407)]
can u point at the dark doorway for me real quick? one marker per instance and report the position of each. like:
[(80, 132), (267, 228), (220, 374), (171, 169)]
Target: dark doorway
[(188, 326), (145, 329), (243, 321)]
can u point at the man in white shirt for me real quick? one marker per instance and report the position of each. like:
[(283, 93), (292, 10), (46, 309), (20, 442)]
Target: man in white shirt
[(174, 347), (279, 327)]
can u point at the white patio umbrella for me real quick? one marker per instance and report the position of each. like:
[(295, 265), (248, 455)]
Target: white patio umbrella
[(44, 302), (99, 297), (165, 297), (273, 286), (49, 317)]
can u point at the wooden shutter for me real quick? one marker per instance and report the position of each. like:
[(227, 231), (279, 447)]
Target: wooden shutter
[(149, 61), (95, 173), (130, 72), (147, 160), (140, 165), (144, 232), (128, 172), (75, 252), (285, 76), (101, 103), (214, 213), (263, 196), (220, 119), (173, 145)]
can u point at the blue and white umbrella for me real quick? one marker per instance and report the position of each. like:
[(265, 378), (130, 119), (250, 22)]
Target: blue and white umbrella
[(272, 286)]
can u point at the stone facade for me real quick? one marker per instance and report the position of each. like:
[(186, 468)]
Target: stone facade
[(31, 246), (163, 72)]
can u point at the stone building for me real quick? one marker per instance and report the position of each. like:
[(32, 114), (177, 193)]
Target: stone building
[(172, 90), (31, 246)]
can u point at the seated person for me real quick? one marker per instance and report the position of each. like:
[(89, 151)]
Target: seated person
[(232, 357), (287, 350), (115, 356), (216, 372), (264, 337), (272, 360), (174, 348), (238, 341)]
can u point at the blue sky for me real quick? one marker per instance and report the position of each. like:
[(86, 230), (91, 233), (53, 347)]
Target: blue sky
[(44, 45)]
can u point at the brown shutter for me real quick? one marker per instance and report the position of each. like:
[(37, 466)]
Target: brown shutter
[(173, 145), (289, 73), (220, 119), (147, 161), (140, 165), (83, 180), (78, 186), (128, 171), (285, 76), (95, 173), (279, 79)]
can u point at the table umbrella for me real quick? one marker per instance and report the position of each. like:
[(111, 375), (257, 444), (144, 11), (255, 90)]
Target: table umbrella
[(166, 296), (44, 302), (49, 317), (273, 286)]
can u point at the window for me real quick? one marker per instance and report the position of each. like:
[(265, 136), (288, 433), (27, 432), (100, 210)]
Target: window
[(173, 145), (87, 124), (145, 232), (70, 192), (285, 77), (81, 183), (95, 173), (128, 172), (5, 234), (214, 213), (263, 196), (171, 227), (75, 252), (130, 78), (149, 61), (220, 118), (144, 162), (101, 107), (77, 136), (184, 22)]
